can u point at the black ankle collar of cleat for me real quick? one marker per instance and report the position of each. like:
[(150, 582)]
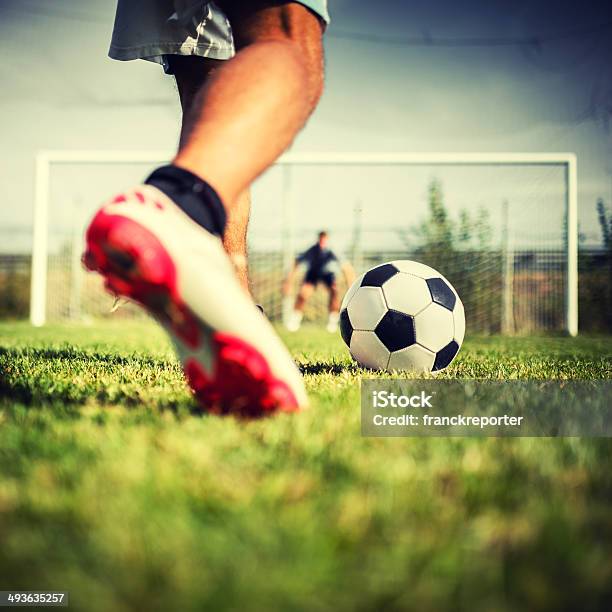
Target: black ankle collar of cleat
[(194, 196)]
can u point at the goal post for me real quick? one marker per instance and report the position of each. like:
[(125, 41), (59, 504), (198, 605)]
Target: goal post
[(47, 160)]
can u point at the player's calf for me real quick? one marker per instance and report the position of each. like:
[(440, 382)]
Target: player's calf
[(334, 309)]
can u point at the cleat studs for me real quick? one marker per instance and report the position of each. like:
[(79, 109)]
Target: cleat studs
[(121, 260)]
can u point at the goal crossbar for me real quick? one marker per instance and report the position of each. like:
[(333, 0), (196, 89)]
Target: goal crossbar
[(45, 159)]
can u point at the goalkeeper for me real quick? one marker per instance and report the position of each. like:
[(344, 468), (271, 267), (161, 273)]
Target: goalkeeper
[(322, 266)]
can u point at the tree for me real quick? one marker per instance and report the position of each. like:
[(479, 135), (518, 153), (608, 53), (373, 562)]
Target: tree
[(605, 222), (460, 249), (436, 230)]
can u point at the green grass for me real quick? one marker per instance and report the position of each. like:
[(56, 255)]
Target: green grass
[(113, 488)]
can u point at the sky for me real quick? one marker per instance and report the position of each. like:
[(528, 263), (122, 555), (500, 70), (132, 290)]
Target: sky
[(416, 76)]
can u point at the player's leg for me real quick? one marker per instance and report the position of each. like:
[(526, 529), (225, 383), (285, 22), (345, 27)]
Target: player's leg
[(334, 305), (304, 294), (288, 37), (191, 73), (235, 237), (252, 107), (159, 243)]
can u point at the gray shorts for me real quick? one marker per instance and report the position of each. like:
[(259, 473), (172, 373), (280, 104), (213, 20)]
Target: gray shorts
[(153, 29)]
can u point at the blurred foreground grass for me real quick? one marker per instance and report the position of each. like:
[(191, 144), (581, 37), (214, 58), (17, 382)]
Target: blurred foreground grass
[(112, 487)]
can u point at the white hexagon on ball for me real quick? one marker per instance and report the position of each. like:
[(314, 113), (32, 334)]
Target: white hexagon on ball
[(367, 307), (368, 350), (351, 291), (407, 293), (413, 358), (434, 327)]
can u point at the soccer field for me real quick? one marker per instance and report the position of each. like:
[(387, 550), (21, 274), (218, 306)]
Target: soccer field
[(114, 488)]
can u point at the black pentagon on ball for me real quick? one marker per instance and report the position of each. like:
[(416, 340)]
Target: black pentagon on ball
[(377, 276), (441, 293), (396, 330), (445, 356), (346, 327)]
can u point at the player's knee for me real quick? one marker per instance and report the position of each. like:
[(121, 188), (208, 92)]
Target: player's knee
[(316, 76), (307, 40), (297, 31), (310, 61)]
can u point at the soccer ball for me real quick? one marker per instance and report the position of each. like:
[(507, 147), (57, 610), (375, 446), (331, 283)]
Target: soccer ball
[(402, 315)]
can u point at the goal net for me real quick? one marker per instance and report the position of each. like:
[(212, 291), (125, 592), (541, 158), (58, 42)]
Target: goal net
[(501, 227)]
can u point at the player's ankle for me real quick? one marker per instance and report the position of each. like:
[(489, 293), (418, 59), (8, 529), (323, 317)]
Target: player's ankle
[(194, 196), (332, 321)]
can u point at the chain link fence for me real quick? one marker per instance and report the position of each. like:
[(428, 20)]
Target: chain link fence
[(497, 233)]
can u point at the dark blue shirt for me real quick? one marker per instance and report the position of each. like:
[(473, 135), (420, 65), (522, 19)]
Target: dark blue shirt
[(318, 261)]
